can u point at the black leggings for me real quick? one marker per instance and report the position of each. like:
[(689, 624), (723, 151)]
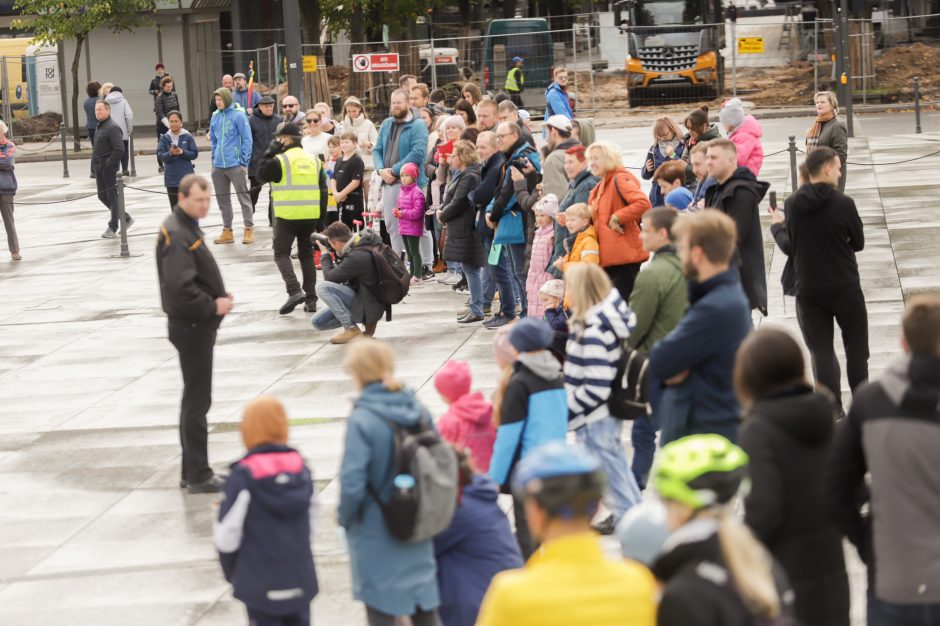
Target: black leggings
[(173, 193), (413, 248)]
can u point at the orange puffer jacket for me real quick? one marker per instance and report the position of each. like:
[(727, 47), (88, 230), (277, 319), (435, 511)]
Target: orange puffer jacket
[(619, 194)]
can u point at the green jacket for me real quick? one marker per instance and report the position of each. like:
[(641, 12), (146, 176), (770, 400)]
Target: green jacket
[(659, 299)]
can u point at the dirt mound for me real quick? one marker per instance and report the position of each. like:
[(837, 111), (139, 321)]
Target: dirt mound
[(896, 68), (43, 127)]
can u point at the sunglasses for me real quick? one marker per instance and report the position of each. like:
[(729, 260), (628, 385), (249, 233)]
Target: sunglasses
[(313, 120), (290, 106)]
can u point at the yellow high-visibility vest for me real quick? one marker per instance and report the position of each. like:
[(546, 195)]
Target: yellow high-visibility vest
[(297, 195), (515, 79)]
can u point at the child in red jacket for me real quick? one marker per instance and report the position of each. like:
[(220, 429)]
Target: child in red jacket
[(468, 423)]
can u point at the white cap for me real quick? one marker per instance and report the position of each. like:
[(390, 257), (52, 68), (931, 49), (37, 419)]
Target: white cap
[(560, 122)]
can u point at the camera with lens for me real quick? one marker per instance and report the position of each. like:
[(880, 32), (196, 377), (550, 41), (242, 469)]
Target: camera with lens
[(319, 238), (520, 163)]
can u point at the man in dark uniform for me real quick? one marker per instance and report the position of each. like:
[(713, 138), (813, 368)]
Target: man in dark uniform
[(195, 301)]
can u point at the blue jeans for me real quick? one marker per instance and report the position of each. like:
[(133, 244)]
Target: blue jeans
[(643, 437), (881, 613), (516, 253), (602, 438), (474, 276), (338, 300), (501, 279)]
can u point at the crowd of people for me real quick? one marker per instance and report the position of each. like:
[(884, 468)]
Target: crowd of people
[(615, 308)]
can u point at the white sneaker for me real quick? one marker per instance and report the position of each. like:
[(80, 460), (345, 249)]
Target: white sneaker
[(445, 277), (453, 279)]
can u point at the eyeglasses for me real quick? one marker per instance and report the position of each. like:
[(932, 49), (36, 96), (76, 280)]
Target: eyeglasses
[(313, 120), (503, 136), (290, 106)]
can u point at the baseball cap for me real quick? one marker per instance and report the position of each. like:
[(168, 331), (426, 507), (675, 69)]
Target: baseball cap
[(288, 129), (560, 122)]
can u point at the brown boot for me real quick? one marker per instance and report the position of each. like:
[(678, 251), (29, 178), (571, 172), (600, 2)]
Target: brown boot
[(249, 236), (370, 329), (346, 336), (226, 236)]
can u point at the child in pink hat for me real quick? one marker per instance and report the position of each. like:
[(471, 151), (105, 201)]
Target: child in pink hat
[(410, 214), (468, 423)]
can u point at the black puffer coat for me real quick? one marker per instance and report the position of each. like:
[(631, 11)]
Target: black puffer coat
[(462, 243), (788, 436)]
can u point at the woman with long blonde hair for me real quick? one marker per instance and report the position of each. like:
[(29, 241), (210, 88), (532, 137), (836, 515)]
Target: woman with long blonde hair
[(393, 578), (714, 571), (600, 324)]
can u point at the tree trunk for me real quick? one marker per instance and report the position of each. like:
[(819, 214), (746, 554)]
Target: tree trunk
[(358, 81), (79, 42), (310, 18)]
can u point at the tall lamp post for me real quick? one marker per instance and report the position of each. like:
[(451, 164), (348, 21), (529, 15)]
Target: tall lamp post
[(295, 75), (429, 20)]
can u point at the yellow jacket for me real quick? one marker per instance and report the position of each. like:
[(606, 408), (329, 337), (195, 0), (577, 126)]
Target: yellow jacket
[(571, 582), (585, 248)]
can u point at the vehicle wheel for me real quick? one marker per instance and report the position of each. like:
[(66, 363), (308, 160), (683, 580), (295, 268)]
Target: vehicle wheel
[(634, 99)]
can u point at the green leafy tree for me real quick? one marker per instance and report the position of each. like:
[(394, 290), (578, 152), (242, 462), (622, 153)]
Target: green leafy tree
[(56, 21)]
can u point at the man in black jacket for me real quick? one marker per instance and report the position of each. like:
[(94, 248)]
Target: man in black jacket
[(738, 193), (166, 101), (106, 157), (195, 301), (348, 283), (263, 125), (825, 232)]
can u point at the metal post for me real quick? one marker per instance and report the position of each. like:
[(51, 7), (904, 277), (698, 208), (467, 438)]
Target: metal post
[(7, 96), (574, 62), (130, 148), (295, 76), (792, 150), (917, 128), (847, 67), (65, 152), (433, 51), (816, 54), (734, 60), (591, 68), (122, 218), (839, 66)]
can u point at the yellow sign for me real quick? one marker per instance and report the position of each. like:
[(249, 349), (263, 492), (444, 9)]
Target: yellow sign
[(310, 63), (750, 45)]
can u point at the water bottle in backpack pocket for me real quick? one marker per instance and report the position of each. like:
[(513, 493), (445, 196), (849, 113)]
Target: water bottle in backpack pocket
[(424, 489)]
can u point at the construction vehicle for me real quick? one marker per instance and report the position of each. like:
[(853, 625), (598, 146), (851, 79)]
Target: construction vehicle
[(674, 49)]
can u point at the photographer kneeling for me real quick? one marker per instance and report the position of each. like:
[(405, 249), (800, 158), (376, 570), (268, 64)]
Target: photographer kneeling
[(348, 282)]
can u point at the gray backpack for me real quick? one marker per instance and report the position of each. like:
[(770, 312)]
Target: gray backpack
[(424, 490)]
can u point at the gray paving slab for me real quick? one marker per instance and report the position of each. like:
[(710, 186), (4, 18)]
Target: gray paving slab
[(93, 528)]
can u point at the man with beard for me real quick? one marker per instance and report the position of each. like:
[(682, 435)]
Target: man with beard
[(487, 115), (403, 138), (737, 193), (696, 359)]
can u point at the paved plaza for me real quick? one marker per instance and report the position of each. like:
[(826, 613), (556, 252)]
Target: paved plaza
[(93, 526)]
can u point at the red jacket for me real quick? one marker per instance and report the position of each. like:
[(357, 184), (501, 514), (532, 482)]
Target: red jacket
[(619, 193)]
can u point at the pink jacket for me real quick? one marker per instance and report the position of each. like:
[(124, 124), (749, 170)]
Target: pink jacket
[(468, 423), (411, 204), (746, 138), (542, 245)]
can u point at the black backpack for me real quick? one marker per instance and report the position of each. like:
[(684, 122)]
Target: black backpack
[(629, 392), (426, 508), (393, 276)]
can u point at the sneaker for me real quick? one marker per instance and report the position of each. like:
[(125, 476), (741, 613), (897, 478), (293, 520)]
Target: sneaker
[(346, 336), (213, 485), (109, 234), (462, 285), (470, 318), (463, 312), (310, 306), (16, 256), (129, 222), (415, 281), (444, 277), (125, 173), (427, 273), (292, 303), (498, 321), (605, 527), (453, 279)]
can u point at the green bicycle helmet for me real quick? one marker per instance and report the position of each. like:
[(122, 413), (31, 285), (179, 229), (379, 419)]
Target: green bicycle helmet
[(699, 471)]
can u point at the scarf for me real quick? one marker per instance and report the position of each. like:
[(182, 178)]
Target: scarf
[(812, 135)]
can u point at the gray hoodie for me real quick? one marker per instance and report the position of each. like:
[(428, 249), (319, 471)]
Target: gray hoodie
[(121, 112)]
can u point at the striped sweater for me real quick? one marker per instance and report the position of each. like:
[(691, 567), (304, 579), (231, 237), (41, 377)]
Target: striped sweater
[(592, 358)]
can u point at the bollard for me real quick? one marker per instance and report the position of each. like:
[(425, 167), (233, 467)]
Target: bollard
[(65, 152), (917, 128), (792, 149), (130, 148), (122, 217)]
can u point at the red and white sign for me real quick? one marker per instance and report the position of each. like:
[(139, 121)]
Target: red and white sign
[(444, 60), (381, 62)]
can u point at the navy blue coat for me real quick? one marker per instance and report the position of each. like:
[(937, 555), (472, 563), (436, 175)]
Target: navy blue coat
[(264, 530), (705, 343), (177, 166), (478, 545)]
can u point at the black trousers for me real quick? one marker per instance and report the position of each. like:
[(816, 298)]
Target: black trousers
[(516, 97), (107, 194), (161, 130), (125, 156), (285, 232), (815, 315), (623, 277), (527, 543), (195, 341), (173, 193)]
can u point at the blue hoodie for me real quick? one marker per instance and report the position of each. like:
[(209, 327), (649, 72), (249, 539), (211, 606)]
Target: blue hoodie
[(476, 546), (388, 575), (230, 136), (264, 530)]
